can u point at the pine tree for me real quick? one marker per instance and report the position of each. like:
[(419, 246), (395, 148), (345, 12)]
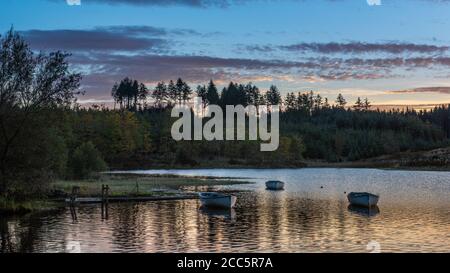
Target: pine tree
[(160, 94), (273, 96), (179, 90), (212, 96), (186, 93), (172, 93), (290, 102), (142, 95), (202, 92), (359, 105), (367, 104), (340, 101)]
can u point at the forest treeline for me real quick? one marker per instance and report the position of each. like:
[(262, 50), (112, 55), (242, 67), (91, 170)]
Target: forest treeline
[(45, 135)]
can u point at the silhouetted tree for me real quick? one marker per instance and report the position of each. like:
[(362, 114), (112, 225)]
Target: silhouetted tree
[(367, 104), (186, 92), (340, 101), (359, 105), (212, 96), (172, 92), (160, 94), (273, 96), (30, 84)]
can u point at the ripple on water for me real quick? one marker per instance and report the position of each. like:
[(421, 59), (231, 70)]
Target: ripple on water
[(413, 216)]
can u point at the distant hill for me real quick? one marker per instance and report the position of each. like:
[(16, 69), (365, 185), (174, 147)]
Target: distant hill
[(417, 107)]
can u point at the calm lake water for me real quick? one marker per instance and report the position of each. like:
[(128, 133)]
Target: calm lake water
[(311, 215)]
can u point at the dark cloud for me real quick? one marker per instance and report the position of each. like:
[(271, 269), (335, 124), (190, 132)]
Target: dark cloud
[(112, 38), (434, 89), (76, 40), (362, 48)]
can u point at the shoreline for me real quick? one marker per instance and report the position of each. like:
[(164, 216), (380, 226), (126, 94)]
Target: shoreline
[(124, 188), (309, 165)]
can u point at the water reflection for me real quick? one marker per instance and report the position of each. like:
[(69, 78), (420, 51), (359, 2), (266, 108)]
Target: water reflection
[(370, 212), (223, 213), (303, 218), (259, 223)]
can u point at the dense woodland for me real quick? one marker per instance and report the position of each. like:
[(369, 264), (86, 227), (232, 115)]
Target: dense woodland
[(45, 135)]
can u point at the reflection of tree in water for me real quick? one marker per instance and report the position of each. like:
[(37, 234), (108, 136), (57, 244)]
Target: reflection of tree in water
[(128, 226), (175, 223), (5, 245), (20, 235), (29, 233)]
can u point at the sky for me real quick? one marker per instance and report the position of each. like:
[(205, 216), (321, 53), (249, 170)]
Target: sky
[(390, 51)]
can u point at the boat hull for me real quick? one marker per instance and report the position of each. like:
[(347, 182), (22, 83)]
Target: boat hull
[(363, 199), (218, 201), (274, 185)]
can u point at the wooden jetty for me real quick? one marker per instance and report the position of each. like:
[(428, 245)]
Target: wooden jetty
[(98, 200), (104, 199)]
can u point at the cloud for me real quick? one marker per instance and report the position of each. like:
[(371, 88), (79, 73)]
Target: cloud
[(107, 54), (103, 69), (112, 38), (434, 89), (362, 48), (76, 40)]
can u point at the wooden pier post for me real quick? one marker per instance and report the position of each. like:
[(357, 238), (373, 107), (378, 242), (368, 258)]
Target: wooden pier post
[(105, 201), (73, 200), (74, 195)]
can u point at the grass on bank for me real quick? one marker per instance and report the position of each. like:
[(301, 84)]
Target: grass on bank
[(139, 185), (11, 206), (120, 185)]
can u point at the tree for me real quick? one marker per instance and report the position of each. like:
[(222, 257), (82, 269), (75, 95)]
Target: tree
[(290, 102), (202, 93), (135, 94), (172, 93), (128, 93), (180, 85), (318, 102), (29, 84), (273, 96), (85, 161), (212, 96), (326, 104), (142, 95), (366, 104), (340, 101), (186, 92), (118, 99), (160, 94), (234, 94), (253, 95), (359, 105)]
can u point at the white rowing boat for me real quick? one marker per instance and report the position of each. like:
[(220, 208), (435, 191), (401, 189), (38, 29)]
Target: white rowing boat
[(274, 185), (363, 199), (218, 200)]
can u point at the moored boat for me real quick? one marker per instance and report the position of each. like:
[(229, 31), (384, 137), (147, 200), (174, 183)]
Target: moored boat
[(217, 200), (363, 199), (274, 185)]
